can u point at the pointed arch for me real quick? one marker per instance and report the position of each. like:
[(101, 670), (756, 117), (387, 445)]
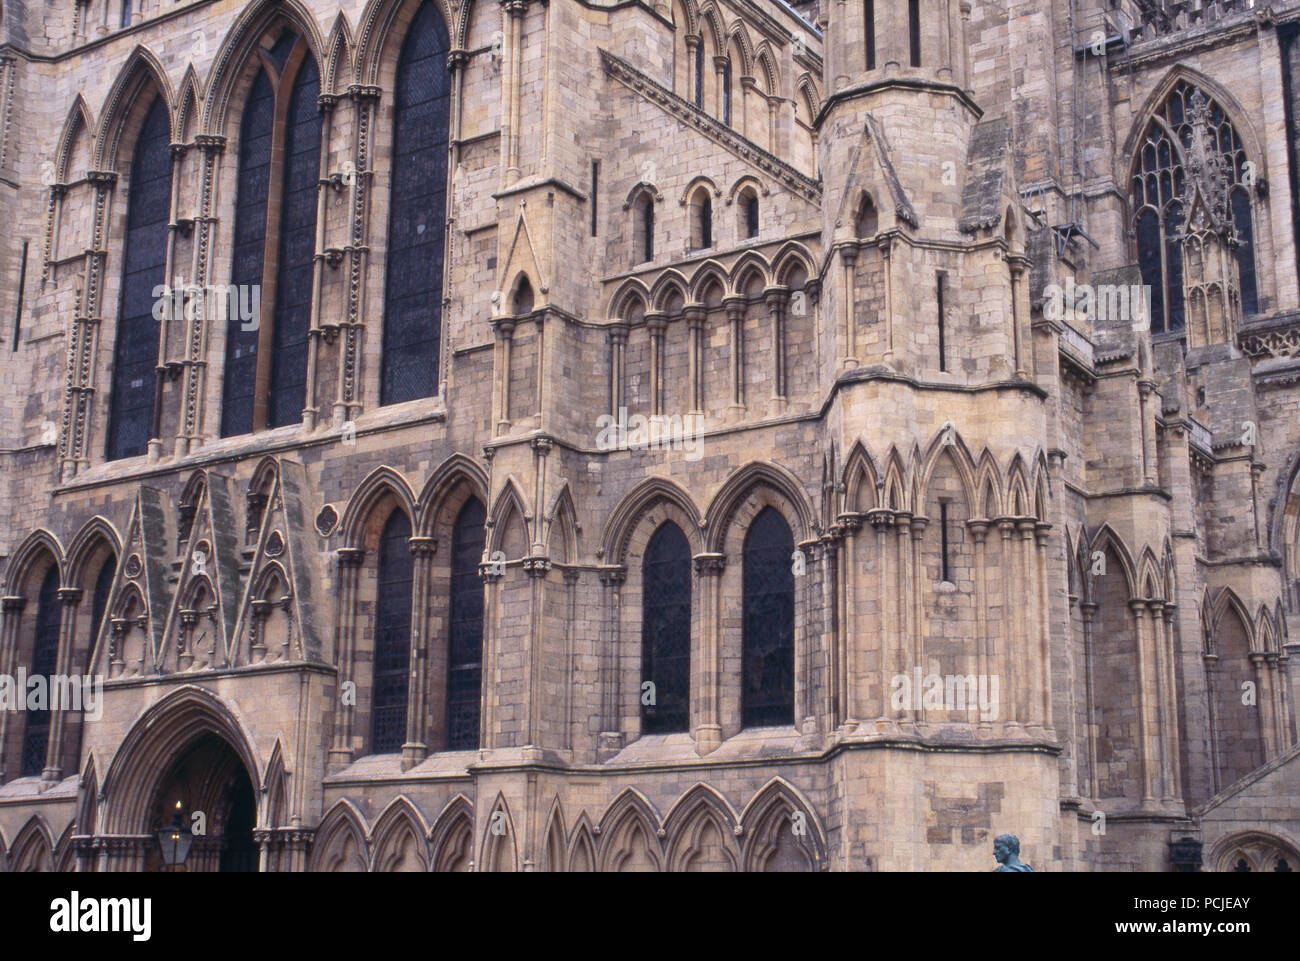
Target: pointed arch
[(1182, 73), (699, 180), (555, 849), (988, 487), (455, 470), (276, 779), (37, 549), (1227, 603), (635, 504), (895, 482), (791, 257), (749, 265), (582, 849), (451, 840), (398, 840), (510, 506), (811, 97), (629, 295), (159, 735), (33, 847), (379, 483), (141, 72), (782, 831), (562, 527), (767, 67), (337, 73), (382, 27), (1149, 575), (671, 282), (712, 18), (340, 843), (860, 480), (948, 442), (1106, 537), (95, 536), (79, 124), (630, 835), (189, 102), (1018, 502), (700, 811), (500, 852), (740, 39), (244, 35), (757, 475), (709, 272)]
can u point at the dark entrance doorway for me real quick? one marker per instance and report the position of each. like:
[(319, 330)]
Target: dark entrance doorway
[(210, 781)]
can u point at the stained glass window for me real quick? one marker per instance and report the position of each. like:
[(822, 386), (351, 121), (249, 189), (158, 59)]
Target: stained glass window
[(392, 637), (45, 653), (465, 643), (144, 265), (297, 248), (767, 696), (274, 393), (1158, 204), (249, 249), (666, 631), (418, 213)]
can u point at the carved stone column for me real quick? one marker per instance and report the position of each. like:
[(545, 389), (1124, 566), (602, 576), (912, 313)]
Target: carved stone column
[(708, 721), (416, 747), (849, 257), (656, 324), (610, 739), (350, 559), (69, 598), (194, 376), (12, 608), (735, 307), (777, 299), (695, 317)]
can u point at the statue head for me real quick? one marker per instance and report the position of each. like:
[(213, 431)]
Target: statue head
[(1006, 847)]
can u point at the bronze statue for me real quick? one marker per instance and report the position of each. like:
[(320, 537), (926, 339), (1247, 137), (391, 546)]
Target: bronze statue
[(1006, 849)]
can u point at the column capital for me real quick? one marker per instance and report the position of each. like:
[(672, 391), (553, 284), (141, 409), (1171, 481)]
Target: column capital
[(613, 575), (422, 546), (709, 564), (350, 556), (70, 596)]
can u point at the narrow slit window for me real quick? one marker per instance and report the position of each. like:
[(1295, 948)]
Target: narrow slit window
[(946, 573), (869, 16), (595, 183), (18, 309), (943, 347), (914, 30)]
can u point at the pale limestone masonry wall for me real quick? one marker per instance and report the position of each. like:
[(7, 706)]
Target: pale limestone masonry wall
[(810, 354)]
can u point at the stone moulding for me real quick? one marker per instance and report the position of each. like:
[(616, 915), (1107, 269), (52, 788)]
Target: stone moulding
[(794, 181)]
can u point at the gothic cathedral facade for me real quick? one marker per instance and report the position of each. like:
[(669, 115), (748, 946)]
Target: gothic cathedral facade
[(662, 435)]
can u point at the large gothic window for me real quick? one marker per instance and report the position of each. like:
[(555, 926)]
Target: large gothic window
[(666, 631), (45, 654), (465, 643), (144, 265), (275, 241), (767, 668), (418, 213), (392, 637), (1161, 190)]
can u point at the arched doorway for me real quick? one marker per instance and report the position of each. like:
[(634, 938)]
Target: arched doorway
[(208, 779)]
